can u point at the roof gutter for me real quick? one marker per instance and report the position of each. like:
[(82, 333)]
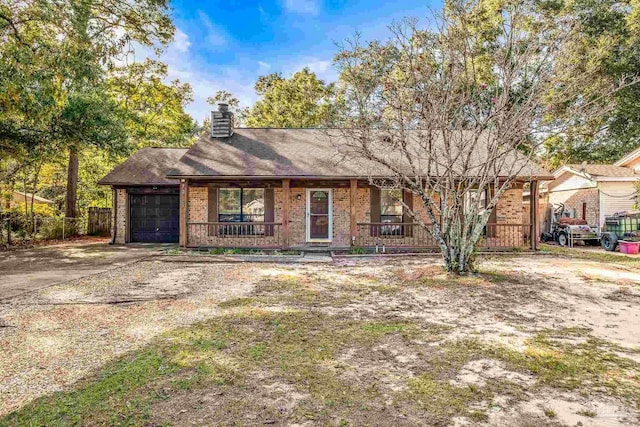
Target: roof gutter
[(137, 184), (618, 178), (325, 177)]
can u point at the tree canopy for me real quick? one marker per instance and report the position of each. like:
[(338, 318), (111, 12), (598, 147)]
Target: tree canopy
[(64, 88), (300, 101), (607, 48)]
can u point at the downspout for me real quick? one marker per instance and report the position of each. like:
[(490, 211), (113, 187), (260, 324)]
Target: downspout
[(114, 217)]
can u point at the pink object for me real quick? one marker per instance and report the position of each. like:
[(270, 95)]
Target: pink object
[(631, 248)]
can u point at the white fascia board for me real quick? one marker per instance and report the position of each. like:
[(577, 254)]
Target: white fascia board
[(567, 169), (628, 158), (618, 178)]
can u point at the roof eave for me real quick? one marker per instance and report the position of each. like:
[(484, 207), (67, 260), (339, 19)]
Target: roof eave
[(566, 169), (618, 178), (628, 158), (221, 177), (138, 184)]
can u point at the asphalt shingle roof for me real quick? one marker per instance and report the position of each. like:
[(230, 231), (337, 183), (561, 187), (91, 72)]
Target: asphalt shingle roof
[(253, 152), (294, 153), (604, 170), (147, 166)]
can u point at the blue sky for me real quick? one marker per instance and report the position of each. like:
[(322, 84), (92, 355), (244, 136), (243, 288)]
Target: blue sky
[(227, 44)]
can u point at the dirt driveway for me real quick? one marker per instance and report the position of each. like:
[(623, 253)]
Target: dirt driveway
[(530, 341), (25, 270)]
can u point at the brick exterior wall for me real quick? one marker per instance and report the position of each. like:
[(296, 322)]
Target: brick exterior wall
[(198, 199), (342, 217), (420, 209), (508, 211), (297, 216), (363, 205), (509, 207), (573, 199), (119, 223)]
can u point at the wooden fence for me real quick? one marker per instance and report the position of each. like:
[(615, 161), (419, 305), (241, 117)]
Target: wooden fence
[(99, 223)]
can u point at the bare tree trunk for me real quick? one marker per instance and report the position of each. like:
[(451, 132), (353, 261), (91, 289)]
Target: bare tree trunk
[(34, 188), (72, 182), (26, 200)]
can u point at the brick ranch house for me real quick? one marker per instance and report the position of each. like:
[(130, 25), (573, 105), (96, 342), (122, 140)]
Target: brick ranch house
[(278, 188)]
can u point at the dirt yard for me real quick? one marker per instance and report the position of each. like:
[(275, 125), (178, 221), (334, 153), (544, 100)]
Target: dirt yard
[(529, 341)]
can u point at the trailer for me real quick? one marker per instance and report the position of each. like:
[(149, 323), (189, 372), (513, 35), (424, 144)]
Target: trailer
[(566, 231), (621, 226)]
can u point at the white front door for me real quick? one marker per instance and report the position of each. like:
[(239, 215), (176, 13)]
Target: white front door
[(319, 215)]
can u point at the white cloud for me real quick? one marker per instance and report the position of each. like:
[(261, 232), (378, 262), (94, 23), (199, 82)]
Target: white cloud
[(216, 36), (205, 83), (183, 64), (306, 7), (322, 67), (319, 66), (264, 66), (181, 40)]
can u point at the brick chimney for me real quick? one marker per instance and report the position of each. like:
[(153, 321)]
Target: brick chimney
[(222, 122)]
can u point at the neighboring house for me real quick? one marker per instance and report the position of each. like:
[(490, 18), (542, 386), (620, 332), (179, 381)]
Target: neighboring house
[(592, 192), (18, 198), (276, 188)]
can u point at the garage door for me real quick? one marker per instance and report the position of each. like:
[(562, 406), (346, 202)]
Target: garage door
[(154, 218)]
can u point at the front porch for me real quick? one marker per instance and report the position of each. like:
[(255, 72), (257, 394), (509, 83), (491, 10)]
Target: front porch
[(294, 215)]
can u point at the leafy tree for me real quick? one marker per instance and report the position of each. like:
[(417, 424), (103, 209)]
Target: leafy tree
[(47, 47), (300, 101), (602, 47), (33, 69), (605, 47), (153, 110), (89, 119), (79, 40)]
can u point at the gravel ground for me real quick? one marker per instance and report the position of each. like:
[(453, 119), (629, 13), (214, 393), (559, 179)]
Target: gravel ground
[(51, 338)]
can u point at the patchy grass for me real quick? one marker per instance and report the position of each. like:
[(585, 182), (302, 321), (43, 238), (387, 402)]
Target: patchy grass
[(238, 302), (589, 366), (118, 395), (587, 413), (591, 255), (443, 401), (356, 250), (295, 346), (344, 348), (173, 251), (452, 280)]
